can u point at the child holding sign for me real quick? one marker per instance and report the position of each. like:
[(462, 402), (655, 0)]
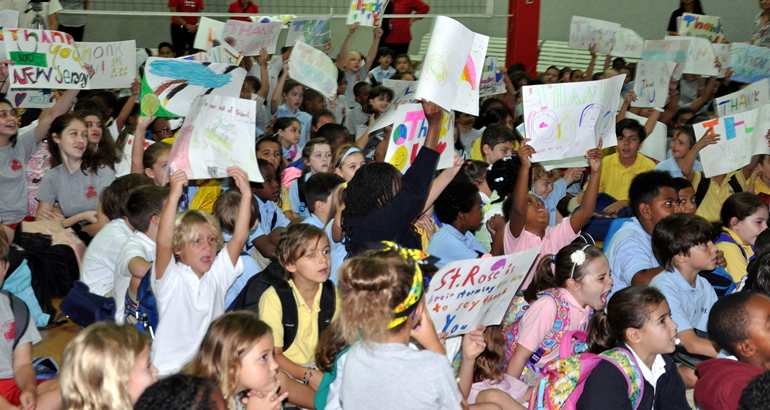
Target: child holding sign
[(293, 94), (350, 61), (568, 286)]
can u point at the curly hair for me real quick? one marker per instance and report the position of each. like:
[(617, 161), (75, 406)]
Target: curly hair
[(458, 197), (106, 150), (180, 391)]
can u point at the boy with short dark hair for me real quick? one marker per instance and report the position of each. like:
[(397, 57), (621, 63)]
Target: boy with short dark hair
[(738, 324), (682, 244), (497, 142), (321, 203), (356, 115), (18, 386), (459, 210)]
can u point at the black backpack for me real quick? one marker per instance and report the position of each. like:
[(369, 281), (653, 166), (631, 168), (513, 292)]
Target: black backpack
[(703, 187), (273, 276), (20, 316)]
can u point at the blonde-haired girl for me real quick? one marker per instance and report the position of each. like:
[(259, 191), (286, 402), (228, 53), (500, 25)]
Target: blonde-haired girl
[(106, 367)]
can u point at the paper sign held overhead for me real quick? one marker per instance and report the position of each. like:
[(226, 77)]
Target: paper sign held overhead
[(742, 135), (700, 57), (656, 143), (170, 86), (313, 68), (366, 12), (668, 50), (753, 96), (44, 59), (114, 63), (403, 93), (315, 31), (209, 34), (249, 38), (491, 78), (749, 63), (629, 44), (566, 120), (708, 27), (723, 52), (651, 83), (473, 292), (585, 31), (409, 132), (213, 137), (467, 98)]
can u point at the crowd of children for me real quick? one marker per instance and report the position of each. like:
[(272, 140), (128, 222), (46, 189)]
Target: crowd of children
[(307, 290)]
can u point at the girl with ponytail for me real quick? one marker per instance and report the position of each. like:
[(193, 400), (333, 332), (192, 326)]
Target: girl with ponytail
[(637, 319)]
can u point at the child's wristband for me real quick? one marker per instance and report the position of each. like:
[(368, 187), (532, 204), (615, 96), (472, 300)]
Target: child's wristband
[(659, 109)]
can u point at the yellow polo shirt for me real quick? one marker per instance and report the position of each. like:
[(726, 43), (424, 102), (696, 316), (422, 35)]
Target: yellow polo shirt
[(478, 155), (760, 187), (616, 178), (711, 205), (302, 349), (736, 262)]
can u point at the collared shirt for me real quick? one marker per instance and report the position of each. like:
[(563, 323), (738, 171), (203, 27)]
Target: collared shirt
[(736, 254), (651, 375), (629, 251), (101, 256), (312, 219), (716, 195), (304, 122), (760, 187), (616, 178), (270, 217), (559, 191), (449, 245), (690, 306), (670, 166)]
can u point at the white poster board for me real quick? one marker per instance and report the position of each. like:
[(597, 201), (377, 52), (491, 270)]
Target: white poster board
[(114, 63), (366, 12), (655, 145), (707, 27), (403, 92), (313, 68), (467, 97), (739, 136), (473, 292), (249, 38), (700, 57), (629, 44), (749, 63), (668, 50), (448, 51), (585, 31), (491, 78), (753, 96), (209, 34), (565, 120), (723, 52), (408, 136), (44, 59), (651, 83), (213, 137), (313, 30)]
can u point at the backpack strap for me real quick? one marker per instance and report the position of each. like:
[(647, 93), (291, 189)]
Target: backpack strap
[(625, 362), (723, 237), (328, 306), (272, 276), (734, 184), (20, 317), (301, 193), (702, 189)]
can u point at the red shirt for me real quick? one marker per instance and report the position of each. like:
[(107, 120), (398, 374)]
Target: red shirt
[(399, 28), (235, 7), (187, 6)]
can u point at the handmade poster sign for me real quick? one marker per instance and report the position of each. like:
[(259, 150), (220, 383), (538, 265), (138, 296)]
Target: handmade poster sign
[(114, 63), (313, 68), (696, 25), (170, 86), (448, 51), (656, 143), (44, 59), (403, 93), (467, 98), (224, 53), (761, 128), (749, 98), (366, 12), (749, 63), (668, 50), (248, 38), (651, 83), (566, 120), (585, 31), (313, 30), (739, 133), (723, 52), (700, 57), (473, 292), (209, 33), (629, 44), (30, 98), (409, 131), (213, 137), (491, 78), (9, 19)]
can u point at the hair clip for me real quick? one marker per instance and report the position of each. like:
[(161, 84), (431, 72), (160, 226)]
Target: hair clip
[(499, 179), (578, 258)]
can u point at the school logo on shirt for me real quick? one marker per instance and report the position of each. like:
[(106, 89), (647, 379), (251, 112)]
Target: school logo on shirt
[(9, 330), (91, 192), (15, 165)]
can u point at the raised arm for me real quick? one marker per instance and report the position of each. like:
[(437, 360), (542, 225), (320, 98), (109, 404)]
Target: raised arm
[(519, 209), (62, 106), (278, 91), (434, 115), (588, 206), (165, 236), (630, 97), (373, 49), (241, 229), (345, 45), (473, 345), (689, 160), (265, 77), (442, 180), (590, 69), (125, 111), (137, 150), (652, 120), (706, 96), (673, 103)]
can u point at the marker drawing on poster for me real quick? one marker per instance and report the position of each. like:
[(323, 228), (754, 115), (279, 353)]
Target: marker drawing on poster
[(585, 31), (313, 68), (651, 83), (753, 96), (315, 31), (249, 38), (410, 129), (114, 63)]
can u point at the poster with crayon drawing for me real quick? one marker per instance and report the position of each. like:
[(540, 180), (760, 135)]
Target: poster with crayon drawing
[(410, 129)]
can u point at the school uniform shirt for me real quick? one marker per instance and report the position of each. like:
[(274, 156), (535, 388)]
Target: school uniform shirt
[(187, 305), (716, 195), (8, 326), (760, 187), (237, 7), (304, 120), (14, 205), (552, 201), (338, 252), (721, 382), (342, 108), (25, 19), (274, 68), (76, 192), (379, 74), (354, 78), (690, 306), (297, 206), (102, 255), (616, 178), (250, 268), (138, 246), (606, 387), (469, 138), (490, 209), (449, 245), (302, 349), (629, 251), (555, 238), (270, 217), (355, 118), (736, 254), (670, 166)]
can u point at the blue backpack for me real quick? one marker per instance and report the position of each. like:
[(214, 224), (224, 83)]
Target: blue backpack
[(147, 306)]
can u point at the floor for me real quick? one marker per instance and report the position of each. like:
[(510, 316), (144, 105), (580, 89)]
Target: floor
[(55, 339)]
